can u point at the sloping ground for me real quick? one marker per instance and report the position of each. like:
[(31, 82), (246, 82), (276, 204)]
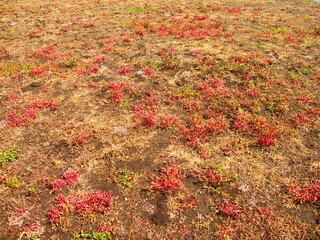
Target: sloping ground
[(159, 120)]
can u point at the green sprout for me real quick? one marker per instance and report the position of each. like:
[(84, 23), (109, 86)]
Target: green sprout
[(124, 177), (8, 156), (13, 182), (93, 236)]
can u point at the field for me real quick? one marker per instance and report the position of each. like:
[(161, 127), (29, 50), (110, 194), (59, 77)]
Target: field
[(168, 119)]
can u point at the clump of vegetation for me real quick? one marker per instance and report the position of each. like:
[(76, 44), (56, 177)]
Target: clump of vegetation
[(93, 236), (168, 179), (9, 155), (308, 193), (124, 177)]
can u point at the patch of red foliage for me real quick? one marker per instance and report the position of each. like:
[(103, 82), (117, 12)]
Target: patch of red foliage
[(69, 177), (117, 91), (209, 177), (84, 205), (304, 194), (230, 209), (147, 111), (168, 180)]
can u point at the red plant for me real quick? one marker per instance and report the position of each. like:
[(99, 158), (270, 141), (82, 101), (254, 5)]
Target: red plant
[(208, 177), (82, 204), (106, 228), (12, 97), (292, 39), (32, 230), (168, 121), (93, 69), (266, 140), (92, 85), (305, 194), (117, 91), (301, 119), (125, 70), (230, 209), (57, 213), (225, 233), (268, 136), (242, 121), (197, 17), (168, 180), (69, 177), (195, 134), (46, 53), (96, 202), (44, 104), (100, 59), (147, 111), (217, 125), (149, 71), (14, 119), (235, 10), (265, 212), (86, 70), (188, 201), (79, 139), (89, 24), (39, 71), (108, 49)]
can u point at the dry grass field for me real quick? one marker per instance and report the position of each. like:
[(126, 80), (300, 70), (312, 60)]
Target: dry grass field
[(174, 119)]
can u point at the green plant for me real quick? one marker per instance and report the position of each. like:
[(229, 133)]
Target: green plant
[(71, 62), (305, 70), (27, 68), (31, 190), (191, 92), (13, 182), (8, 156), (124, 177), (134, 11), (275, 30), (155, 65), (93, 236)]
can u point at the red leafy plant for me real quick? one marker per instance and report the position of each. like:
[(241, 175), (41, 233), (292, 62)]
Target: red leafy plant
[(81, 138), (147, 111), (225, 233), (210, 178), (230, 209), (242, 121), (69, 177), (84, 205), (149, 71), (86, 69), (15, 119), (306, 194), (269, 136), (188, 201), (125, 70), (199, 129), (168, 180), (46, 53), (32, 230), (117, 91), (168, 121)]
